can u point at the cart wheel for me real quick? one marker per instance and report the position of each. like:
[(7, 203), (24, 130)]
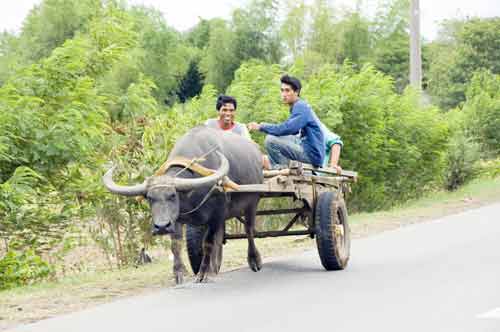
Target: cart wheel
[(194, 242), (333, 235)]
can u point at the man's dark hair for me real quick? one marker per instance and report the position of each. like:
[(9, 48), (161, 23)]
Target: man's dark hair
[(292, 81), (222, 99)]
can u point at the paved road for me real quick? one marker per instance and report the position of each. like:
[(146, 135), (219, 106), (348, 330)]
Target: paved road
[(439, 276)]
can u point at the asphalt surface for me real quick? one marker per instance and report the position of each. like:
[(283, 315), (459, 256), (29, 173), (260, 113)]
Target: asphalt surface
[(438, 276)]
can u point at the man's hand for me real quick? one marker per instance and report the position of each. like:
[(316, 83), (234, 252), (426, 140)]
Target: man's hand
[(337, 168), (253, 126)]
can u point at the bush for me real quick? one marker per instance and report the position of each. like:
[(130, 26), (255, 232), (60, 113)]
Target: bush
[(482, 111), (462, 154), (489, 168), (22, 268), (53, 119)]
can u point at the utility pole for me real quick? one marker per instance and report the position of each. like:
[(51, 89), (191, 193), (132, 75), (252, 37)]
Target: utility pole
[(415, 51)]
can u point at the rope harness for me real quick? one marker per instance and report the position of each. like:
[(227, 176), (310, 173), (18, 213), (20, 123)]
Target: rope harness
[(207, 196), (193, 164)]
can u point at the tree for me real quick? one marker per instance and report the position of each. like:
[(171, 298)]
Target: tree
[(192, 83), (256, 33), (199, 35), (323, 38), (163, 55), (219, 61), (51, 23), (354, 39), (392, 41), (9, 59), (332, 39), (463, 48), (293, 29), (391, 57)]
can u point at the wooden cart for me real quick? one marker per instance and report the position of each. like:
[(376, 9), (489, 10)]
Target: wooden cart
[(323, 213)]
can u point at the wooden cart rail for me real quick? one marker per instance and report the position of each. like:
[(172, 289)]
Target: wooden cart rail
[(300, 183)]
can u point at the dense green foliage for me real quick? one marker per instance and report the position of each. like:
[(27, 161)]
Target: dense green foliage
[(482, 111), (475, 129), (463, 152), (464, 47), (91, 82), (20, 269)]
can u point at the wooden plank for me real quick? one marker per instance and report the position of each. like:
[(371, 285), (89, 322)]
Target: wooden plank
[(261, 188), (281, 211), (326, 180), (351, 175), (273, 173), (268, 234), (342, 176)]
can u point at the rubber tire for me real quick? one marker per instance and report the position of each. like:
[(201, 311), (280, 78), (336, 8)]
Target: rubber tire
[(333, 250), (194, 242)]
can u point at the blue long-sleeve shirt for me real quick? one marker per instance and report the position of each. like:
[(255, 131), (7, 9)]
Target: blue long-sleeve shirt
[(302, 119)]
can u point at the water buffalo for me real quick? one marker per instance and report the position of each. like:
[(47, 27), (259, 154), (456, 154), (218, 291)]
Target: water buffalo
[(181, 196)]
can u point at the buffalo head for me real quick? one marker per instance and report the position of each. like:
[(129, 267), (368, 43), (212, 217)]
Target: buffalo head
[(162, 193)]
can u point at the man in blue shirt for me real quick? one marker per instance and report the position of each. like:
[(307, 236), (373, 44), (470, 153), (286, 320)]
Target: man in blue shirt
[(282, 142)]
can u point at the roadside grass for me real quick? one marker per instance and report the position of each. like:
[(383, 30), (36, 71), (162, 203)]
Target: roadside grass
[(476, 193), (73, 293)]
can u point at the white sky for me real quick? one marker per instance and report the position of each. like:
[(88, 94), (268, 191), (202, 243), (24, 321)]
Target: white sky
[(183, 14)]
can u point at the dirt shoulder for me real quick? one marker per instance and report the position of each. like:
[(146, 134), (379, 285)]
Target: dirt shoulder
[(30, 304)]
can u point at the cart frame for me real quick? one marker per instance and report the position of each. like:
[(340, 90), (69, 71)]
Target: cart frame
[(300, 182)]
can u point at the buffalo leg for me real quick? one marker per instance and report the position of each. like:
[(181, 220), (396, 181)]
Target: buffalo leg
[(217, 250), (209, 243), (176, 247), (254, 259)]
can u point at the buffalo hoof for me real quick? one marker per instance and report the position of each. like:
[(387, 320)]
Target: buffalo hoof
[(203, 278), (179, 278), (255, 262)]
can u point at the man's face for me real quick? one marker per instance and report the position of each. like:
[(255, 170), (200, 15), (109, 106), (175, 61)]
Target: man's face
[(288, 95), (226, 113)]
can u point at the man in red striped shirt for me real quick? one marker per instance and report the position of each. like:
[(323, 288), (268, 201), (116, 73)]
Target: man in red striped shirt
[(226, 107)]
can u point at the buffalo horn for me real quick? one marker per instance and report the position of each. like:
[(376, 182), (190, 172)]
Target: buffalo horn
[(136, 190)]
